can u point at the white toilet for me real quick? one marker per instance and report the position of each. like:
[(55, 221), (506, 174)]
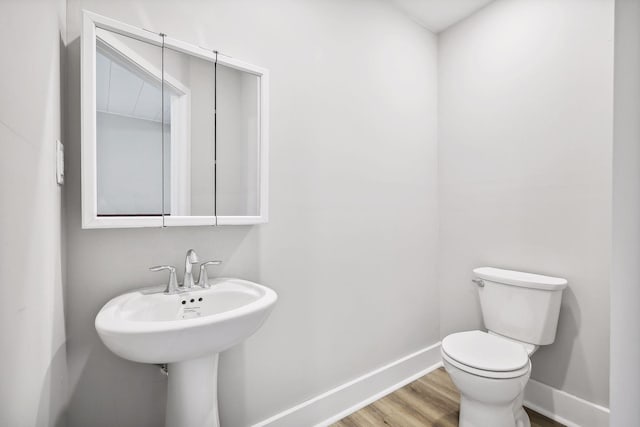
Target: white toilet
[(491, 369)]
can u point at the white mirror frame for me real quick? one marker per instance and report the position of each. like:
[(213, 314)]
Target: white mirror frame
[(90, 218)]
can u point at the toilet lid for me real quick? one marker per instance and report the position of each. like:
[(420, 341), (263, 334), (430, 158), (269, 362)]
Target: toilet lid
[(484, 351)]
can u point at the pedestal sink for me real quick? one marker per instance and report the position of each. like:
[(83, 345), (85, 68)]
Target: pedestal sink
[(187, 331)]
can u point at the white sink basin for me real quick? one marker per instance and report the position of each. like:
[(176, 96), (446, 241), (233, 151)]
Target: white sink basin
[(149, 326), (187, 331)]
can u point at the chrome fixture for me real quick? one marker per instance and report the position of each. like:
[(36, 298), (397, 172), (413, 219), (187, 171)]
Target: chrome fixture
[(478, 282), (172, 286), (190, 259), (203, 279)]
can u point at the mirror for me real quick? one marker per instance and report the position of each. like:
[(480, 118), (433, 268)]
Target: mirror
[(238, 142), (129, 154), (172, 134), (189, 87)]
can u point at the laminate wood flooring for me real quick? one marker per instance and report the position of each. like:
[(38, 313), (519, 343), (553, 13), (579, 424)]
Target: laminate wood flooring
[(430, 401)]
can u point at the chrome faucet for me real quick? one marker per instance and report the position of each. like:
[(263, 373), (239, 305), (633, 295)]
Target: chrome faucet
[(172, 286), (190, 259), (203, 279)]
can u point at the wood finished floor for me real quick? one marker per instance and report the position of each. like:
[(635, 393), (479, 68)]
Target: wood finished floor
[(432, 400)]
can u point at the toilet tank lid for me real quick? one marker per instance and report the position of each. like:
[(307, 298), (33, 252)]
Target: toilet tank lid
[(518, 278)]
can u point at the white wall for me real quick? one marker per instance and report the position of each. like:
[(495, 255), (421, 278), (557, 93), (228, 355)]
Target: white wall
[(625, 290), (350, 246), (32, 334), (525, 146)]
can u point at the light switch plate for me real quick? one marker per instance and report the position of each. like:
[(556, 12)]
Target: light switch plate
[(59, 163)]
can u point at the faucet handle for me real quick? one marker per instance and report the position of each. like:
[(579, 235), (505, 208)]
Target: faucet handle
[(172, 286), (203, 279)]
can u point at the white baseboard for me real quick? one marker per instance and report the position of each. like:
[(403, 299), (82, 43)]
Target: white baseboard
[(563, 407), (347, 398)]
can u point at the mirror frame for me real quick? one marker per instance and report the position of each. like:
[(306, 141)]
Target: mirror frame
[(90, 219)]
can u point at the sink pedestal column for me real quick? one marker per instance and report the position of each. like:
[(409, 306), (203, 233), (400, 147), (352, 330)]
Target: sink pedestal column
[(192, 395)]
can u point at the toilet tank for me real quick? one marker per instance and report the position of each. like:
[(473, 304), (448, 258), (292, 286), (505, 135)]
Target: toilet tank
[(521, 306)]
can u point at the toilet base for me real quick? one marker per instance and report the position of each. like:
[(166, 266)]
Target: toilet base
[(522, 419), (480, 414), (490, 402)]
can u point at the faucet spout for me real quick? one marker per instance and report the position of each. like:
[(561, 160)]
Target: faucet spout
[(190, 259)]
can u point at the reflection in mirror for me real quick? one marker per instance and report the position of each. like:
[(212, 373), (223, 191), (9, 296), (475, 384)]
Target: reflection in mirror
[(237, 142), (129, 127), (189, 88), (172, 134)]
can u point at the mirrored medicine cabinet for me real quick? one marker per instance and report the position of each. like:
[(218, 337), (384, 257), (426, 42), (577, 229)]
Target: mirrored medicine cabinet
[(172, 134)]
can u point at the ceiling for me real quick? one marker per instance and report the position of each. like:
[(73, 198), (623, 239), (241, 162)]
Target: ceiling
[(438, 15), (127, 91)]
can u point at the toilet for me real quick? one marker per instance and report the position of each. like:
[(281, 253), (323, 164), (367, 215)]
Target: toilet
[(490, 369)]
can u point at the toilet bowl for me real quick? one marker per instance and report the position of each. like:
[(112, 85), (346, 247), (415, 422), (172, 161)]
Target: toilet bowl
[(491, 369), (490, 372)]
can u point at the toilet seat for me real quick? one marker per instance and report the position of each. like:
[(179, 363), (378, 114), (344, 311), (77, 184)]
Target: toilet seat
[(486, 355)]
